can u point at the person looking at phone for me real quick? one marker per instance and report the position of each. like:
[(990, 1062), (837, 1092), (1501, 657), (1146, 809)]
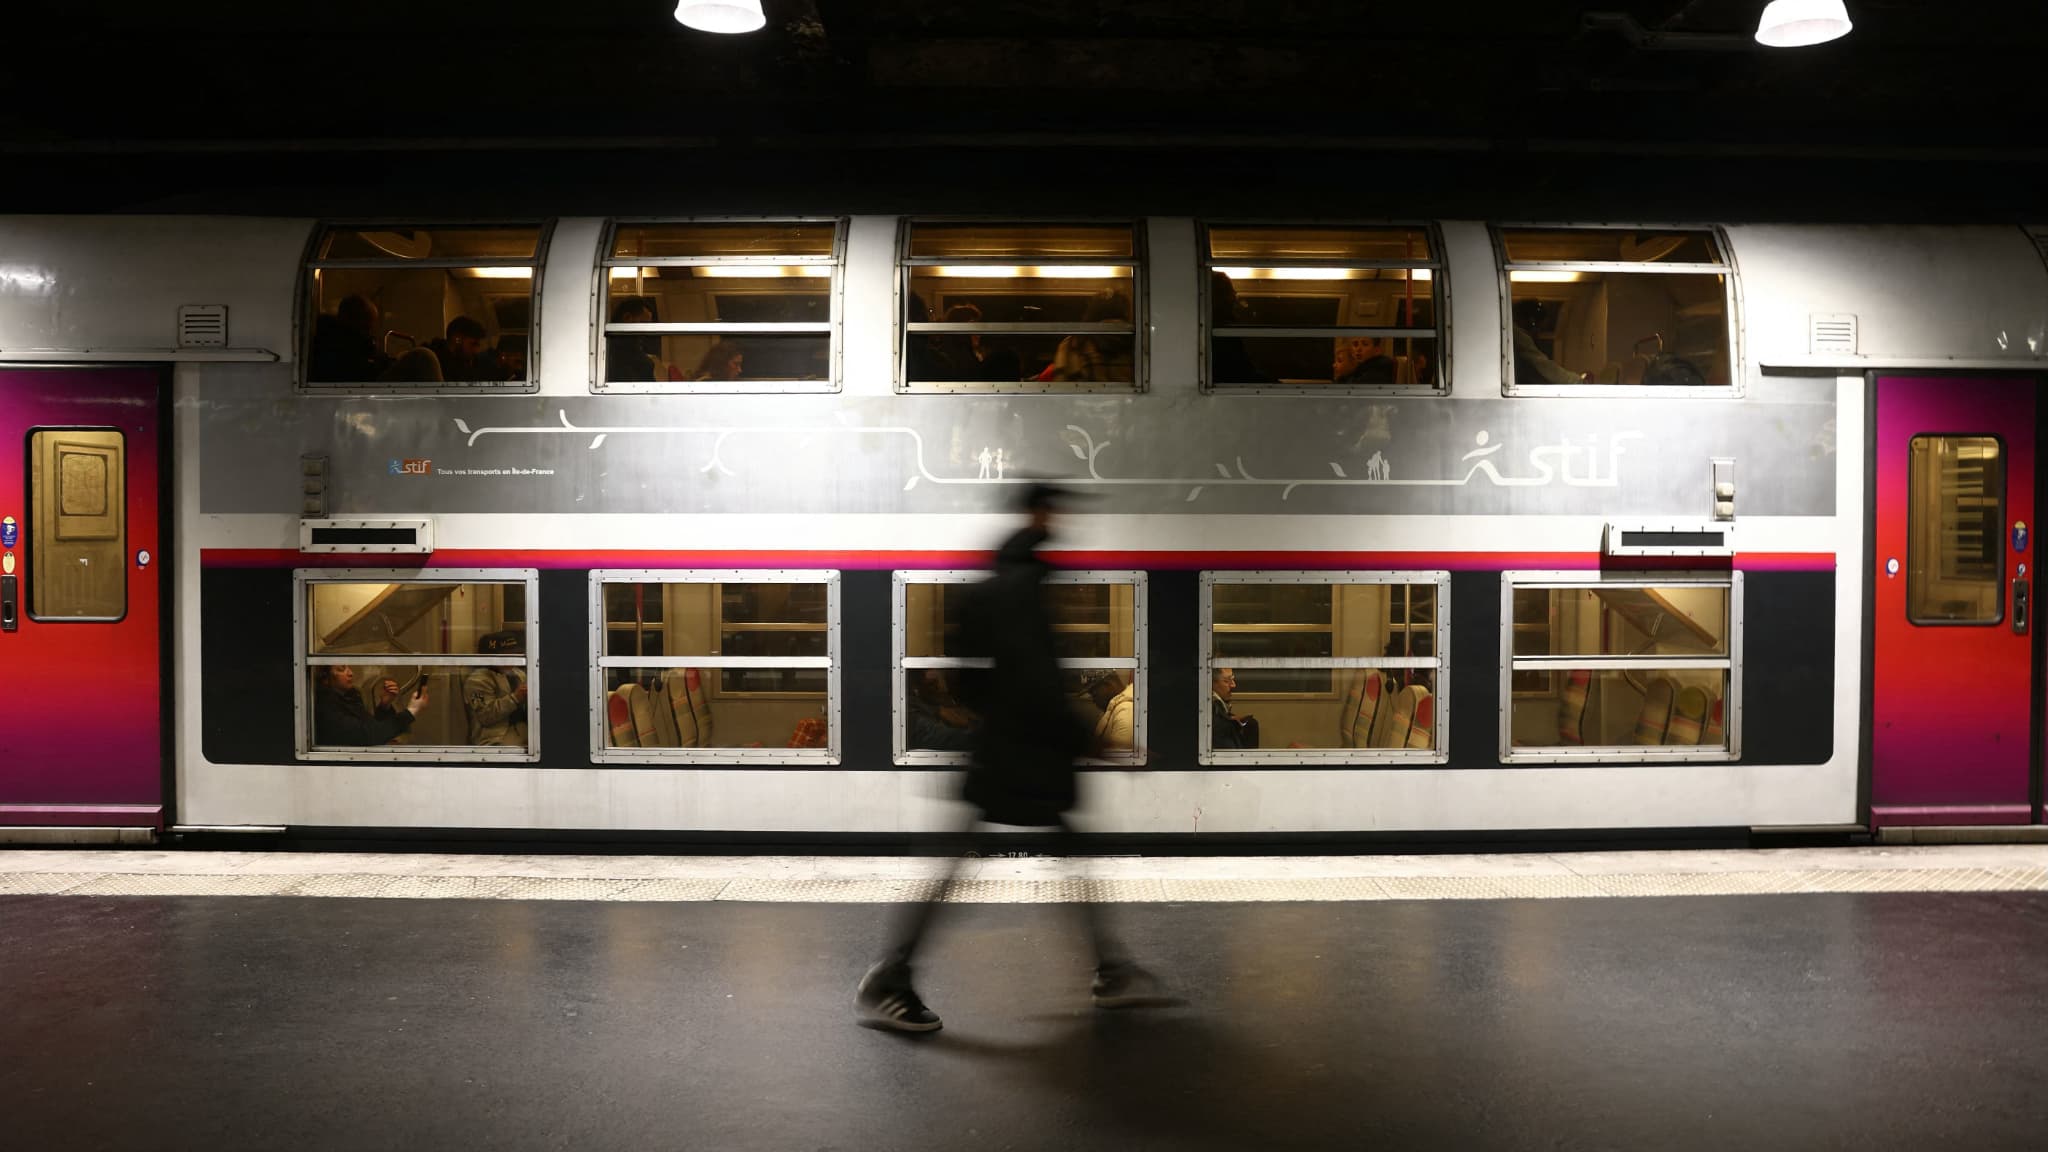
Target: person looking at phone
[(341, 718)]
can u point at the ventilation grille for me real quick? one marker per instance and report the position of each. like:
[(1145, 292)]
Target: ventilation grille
[(1831, 332), (202, 326)]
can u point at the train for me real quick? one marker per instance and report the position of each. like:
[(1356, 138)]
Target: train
[(576, 527)]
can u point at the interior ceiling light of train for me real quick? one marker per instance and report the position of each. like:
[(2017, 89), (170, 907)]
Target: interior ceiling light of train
[(723, 16)]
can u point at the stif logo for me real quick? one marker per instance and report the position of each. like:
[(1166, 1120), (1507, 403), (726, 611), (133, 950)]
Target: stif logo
[(411, 467)]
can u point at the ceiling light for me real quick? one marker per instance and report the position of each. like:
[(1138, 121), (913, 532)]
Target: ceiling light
[(721, 15), (1546, 277), (760, 271), (501, 273), (1042, 271), (1798, 23)]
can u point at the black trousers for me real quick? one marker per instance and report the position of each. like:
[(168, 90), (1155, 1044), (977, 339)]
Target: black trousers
[(916, 919)]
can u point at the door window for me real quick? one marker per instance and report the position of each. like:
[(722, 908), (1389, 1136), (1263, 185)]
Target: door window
[(1955, 530), (78, 527)]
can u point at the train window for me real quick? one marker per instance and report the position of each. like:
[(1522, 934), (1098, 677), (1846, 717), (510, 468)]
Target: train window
[(1009, 307), (1592, 310), (421, 664), (715, 666), (1324, 667), (78, 525), (1098, 631), (413, 309), (721, 306), (1321, 308), (1955, 546), (1604, 669)]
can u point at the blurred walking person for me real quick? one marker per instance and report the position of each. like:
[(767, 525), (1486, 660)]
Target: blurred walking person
[(1022, 772)]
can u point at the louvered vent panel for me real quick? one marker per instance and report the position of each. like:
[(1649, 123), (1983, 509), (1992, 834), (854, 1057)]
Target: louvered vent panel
[(203, 326), (1831, 332)]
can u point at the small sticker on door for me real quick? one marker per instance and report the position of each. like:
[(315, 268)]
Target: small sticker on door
[(1891, 566), (10, 532), (2019, 536)]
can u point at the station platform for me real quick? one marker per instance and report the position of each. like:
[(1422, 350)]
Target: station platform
[(1852, 998)]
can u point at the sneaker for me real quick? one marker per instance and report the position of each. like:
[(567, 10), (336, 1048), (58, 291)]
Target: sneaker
[(1125, 985), (885, 999)]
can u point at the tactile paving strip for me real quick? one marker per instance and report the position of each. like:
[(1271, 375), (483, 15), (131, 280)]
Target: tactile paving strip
[(883, 890)]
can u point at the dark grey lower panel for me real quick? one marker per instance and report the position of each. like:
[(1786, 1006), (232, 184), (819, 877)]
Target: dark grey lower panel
[(1887, 1021)]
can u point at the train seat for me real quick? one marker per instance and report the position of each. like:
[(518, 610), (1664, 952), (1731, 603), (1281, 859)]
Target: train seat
[(1688, 716), (1363, 694), (690, 705), (619, 715), (1654, 718), (1422, 728)]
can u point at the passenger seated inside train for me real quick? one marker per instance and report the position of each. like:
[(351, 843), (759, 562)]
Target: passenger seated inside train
[(1117, 701), (1227, 729), (344, 348), (935, 720), (342, 719), (634, 357), (1361, 360), (725, 360), (1532, 366), (1091, 356), (1230, 361), (496, 696), (464, 353), (970, 356)]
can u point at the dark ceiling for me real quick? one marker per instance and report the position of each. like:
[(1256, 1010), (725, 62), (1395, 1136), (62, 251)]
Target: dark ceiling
[(1928, 110)]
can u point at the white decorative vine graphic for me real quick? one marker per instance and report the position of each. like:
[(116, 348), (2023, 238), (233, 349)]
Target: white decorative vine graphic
[(1581, 464)]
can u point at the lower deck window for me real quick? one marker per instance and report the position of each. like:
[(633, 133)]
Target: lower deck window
[(1311, 667), (715, 666), (416, 665), (1098, 621), (1621, 668)]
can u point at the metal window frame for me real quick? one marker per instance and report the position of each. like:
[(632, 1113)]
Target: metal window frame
[(600, 308), (302, 328), (1732, 298), (303, 661), (1515, 581), (1440, 308), (900, 663), (600, 725), (1141, 367), (1912, 538), (1205, 672)]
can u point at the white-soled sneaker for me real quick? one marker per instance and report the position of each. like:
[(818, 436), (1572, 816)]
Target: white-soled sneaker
[(885, 999)]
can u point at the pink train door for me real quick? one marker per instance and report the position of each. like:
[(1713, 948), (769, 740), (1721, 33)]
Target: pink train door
[(81, 742), (1952, 670)]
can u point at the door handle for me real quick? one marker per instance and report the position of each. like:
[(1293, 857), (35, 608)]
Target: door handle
[(9, 603), (2022, 601)]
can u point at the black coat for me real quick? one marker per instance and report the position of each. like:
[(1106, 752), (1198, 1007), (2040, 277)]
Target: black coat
[(1024, 752), (342, 720)]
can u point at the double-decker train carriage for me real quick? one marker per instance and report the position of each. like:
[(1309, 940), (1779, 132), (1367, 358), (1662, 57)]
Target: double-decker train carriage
[(660, 525)]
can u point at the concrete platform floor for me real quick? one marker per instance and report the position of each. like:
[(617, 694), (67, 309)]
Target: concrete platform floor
[(1855, 1021)]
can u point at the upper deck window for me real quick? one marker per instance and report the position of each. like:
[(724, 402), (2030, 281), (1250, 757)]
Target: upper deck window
[(1321, 308), (403, 308), (721, 306), (1004, 307), (1595, 309)]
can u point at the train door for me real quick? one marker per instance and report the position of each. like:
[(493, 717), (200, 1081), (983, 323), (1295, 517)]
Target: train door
[(82, 724), (1953, 687)]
